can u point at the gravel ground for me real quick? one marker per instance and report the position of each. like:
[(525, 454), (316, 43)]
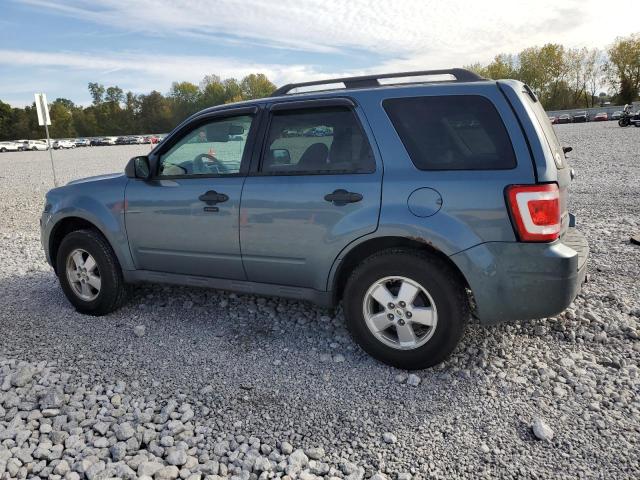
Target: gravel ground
[(194, 383)]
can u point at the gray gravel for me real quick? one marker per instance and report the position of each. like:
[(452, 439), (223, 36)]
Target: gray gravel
[(194, 383)]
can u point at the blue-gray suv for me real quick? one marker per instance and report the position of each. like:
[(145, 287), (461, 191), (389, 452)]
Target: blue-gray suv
[(415, 205)]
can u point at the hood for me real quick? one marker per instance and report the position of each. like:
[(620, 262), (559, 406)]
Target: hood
[(97, 178)]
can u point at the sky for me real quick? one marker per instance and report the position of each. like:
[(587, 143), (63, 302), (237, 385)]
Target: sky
[(58, 47)]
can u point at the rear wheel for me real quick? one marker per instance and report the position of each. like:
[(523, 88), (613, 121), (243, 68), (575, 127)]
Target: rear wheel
[(89, 273), (406, 308)]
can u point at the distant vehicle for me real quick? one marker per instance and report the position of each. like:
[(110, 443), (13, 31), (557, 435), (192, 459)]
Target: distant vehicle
[(122, 141), (82, 142), (601, 117), (34, 145), (581, 117), (236, 138), (616, 115), (629, 118), (63, 144), (106, 141), (553, 120), (564, 118), (11, 147)]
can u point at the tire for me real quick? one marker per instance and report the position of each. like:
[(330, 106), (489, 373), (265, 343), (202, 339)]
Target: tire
[(3, 149), (112, 292), (438, 286), (623, 122)]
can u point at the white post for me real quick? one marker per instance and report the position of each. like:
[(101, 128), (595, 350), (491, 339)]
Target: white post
[(53, 170), (44, 109)]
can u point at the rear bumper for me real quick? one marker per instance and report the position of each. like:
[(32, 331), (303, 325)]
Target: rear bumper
[(521, 281)]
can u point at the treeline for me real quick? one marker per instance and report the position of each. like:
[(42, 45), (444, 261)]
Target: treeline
[(573, 78), (114, 112)]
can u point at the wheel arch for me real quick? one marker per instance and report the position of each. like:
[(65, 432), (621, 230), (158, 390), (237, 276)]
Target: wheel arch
[(66, 225), (357, 253)]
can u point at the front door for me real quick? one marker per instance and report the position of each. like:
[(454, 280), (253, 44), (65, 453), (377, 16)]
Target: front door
[(317, 188), (185, 220)]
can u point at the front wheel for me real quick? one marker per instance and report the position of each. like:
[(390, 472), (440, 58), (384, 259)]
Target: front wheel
[(89, 273), (623, 122), (406, 308)]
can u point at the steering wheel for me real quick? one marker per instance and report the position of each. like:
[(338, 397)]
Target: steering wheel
[(199, 165)]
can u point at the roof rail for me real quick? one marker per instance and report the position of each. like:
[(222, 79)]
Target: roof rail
[(365, 81)]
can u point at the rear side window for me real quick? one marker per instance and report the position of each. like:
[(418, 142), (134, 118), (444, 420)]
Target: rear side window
[(325, 140), (455, 132), (547, 128)]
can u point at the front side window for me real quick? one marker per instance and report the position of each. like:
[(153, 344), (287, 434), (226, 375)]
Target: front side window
[(323, 140), (212, 148), (456, 132)]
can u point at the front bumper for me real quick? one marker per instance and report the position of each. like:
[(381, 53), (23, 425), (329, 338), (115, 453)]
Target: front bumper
[(521, 281)]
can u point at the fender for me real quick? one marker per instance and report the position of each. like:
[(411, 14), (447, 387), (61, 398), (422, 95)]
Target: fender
[(107, 215)]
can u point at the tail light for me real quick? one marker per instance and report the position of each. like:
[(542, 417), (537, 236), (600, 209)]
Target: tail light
[(535, 210)]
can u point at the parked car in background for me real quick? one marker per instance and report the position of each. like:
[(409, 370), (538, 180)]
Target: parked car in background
[(34, 144), (564, 118), (616, 115), (469, 218), (63, 144), (82, 142), (553, 120), (107, 141), (581, 117), (11, 147), (601, 117), (122, 141)]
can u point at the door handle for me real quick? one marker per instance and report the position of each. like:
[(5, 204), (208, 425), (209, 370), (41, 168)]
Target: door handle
[(342, 197), (212, 197)]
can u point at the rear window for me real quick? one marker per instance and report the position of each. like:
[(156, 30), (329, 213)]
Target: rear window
[(455, 132)]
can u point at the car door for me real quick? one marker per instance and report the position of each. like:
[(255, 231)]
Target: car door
[(315, 189), (185, 219)]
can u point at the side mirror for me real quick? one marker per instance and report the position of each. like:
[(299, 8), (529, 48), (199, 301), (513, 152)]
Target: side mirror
[(138, 167), (281, 156)]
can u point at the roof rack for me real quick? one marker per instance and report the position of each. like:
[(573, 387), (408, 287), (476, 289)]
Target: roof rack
[(366, 81)]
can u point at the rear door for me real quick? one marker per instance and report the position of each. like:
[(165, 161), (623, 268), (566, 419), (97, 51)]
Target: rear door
[(315, 188)]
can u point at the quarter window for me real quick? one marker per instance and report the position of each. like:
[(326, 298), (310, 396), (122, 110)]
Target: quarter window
[(325, 140), (456, 132), (212, 148)]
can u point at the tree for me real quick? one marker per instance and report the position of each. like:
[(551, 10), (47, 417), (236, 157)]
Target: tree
[(185, 97), (593, 69), (97, 92), (155, 113), (5, 121), (256, 86), (544, 69), (232, 90), (115, 95), (623, 67), (61, 121)]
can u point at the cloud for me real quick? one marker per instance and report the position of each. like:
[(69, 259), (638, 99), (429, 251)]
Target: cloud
[(393, 28), (142, 72), (296, 40)]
